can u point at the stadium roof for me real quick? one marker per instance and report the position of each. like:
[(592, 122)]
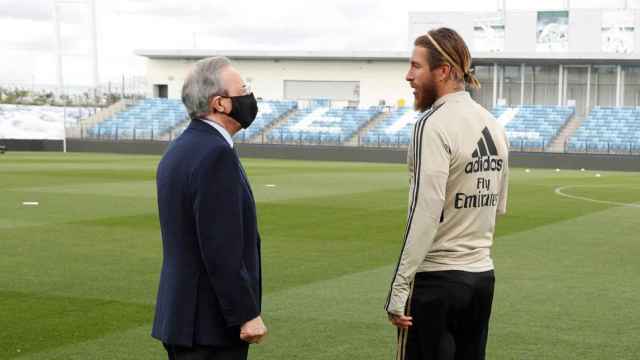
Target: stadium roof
[(275, 55), (403, 56)]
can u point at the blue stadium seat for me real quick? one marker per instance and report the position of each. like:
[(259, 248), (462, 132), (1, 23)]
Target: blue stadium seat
[(154, 117), (147, 119), (322, 125), (394, 130), (533, 126), (268, 112), (608, 129)]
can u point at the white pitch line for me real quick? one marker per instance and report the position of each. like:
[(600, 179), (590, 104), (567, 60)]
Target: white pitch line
[(559, 190)]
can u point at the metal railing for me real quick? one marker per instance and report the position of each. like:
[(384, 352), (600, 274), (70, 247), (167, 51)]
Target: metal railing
[(118, 133), (602, 147), (280, 137)]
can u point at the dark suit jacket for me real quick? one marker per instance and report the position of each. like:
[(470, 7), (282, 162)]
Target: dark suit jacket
[(211, 280)]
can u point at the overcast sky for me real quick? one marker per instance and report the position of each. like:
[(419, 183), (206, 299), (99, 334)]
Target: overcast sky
[(27, 43)]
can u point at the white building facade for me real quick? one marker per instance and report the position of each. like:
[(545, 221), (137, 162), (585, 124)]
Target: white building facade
[(575, 57)]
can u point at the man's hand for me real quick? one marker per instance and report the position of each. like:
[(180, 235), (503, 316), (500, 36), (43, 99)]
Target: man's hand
[(401, 321), (253, 331)]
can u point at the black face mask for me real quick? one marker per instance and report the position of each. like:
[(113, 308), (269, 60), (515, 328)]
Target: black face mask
[(244, 109)]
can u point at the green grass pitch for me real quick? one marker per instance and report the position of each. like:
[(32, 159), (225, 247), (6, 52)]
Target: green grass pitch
[(78, 272)]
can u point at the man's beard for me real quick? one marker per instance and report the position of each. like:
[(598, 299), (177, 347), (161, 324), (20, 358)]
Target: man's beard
[(425, 96)]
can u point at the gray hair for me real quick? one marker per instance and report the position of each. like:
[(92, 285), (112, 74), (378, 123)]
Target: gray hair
[(202, 83)]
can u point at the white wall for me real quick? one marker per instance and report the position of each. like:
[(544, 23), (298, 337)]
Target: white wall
[(379, 80), (585, 30), (384, 79), (169, 72), (421, 22), (520, 32), (585, 33)]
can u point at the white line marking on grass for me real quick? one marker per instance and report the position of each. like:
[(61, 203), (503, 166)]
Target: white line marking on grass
[(30, 203), (559, 191)]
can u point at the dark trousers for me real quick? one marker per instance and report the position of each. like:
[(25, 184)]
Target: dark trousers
[(451, 311), (198, 352)]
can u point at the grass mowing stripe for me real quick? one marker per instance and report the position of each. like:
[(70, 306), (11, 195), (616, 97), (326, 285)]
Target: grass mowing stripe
[(564, 285), (36, 322)]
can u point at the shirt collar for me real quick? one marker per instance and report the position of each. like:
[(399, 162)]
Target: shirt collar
[(225, 134), (454, 95)]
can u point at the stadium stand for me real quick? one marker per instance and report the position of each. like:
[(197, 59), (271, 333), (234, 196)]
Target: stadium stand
[(394, 130), (322, 125), (608, 129), (529, 126), (148, 119), (532, 126), (39, 122), (155, 117), (268, 112)]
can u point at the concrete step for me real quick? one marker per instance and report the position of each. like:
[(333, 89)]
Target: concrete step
[(364, 129), (261, 136), (557, 144)]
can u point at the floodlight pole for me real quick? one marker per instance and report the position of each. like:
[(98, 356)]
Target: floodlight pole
[(94, 42), (57, 45), (93, 50)]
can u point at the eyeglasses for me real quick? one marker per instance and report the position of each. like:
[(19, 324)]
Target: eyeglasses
[(246, 89)]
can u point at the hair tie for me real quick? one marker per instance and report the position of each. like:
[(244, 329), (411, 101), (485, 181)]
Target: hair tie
[(445, 55)]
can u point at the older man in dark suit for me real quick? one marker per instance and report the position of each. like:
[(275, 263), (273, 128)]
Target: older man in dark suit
[(209, 297)]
